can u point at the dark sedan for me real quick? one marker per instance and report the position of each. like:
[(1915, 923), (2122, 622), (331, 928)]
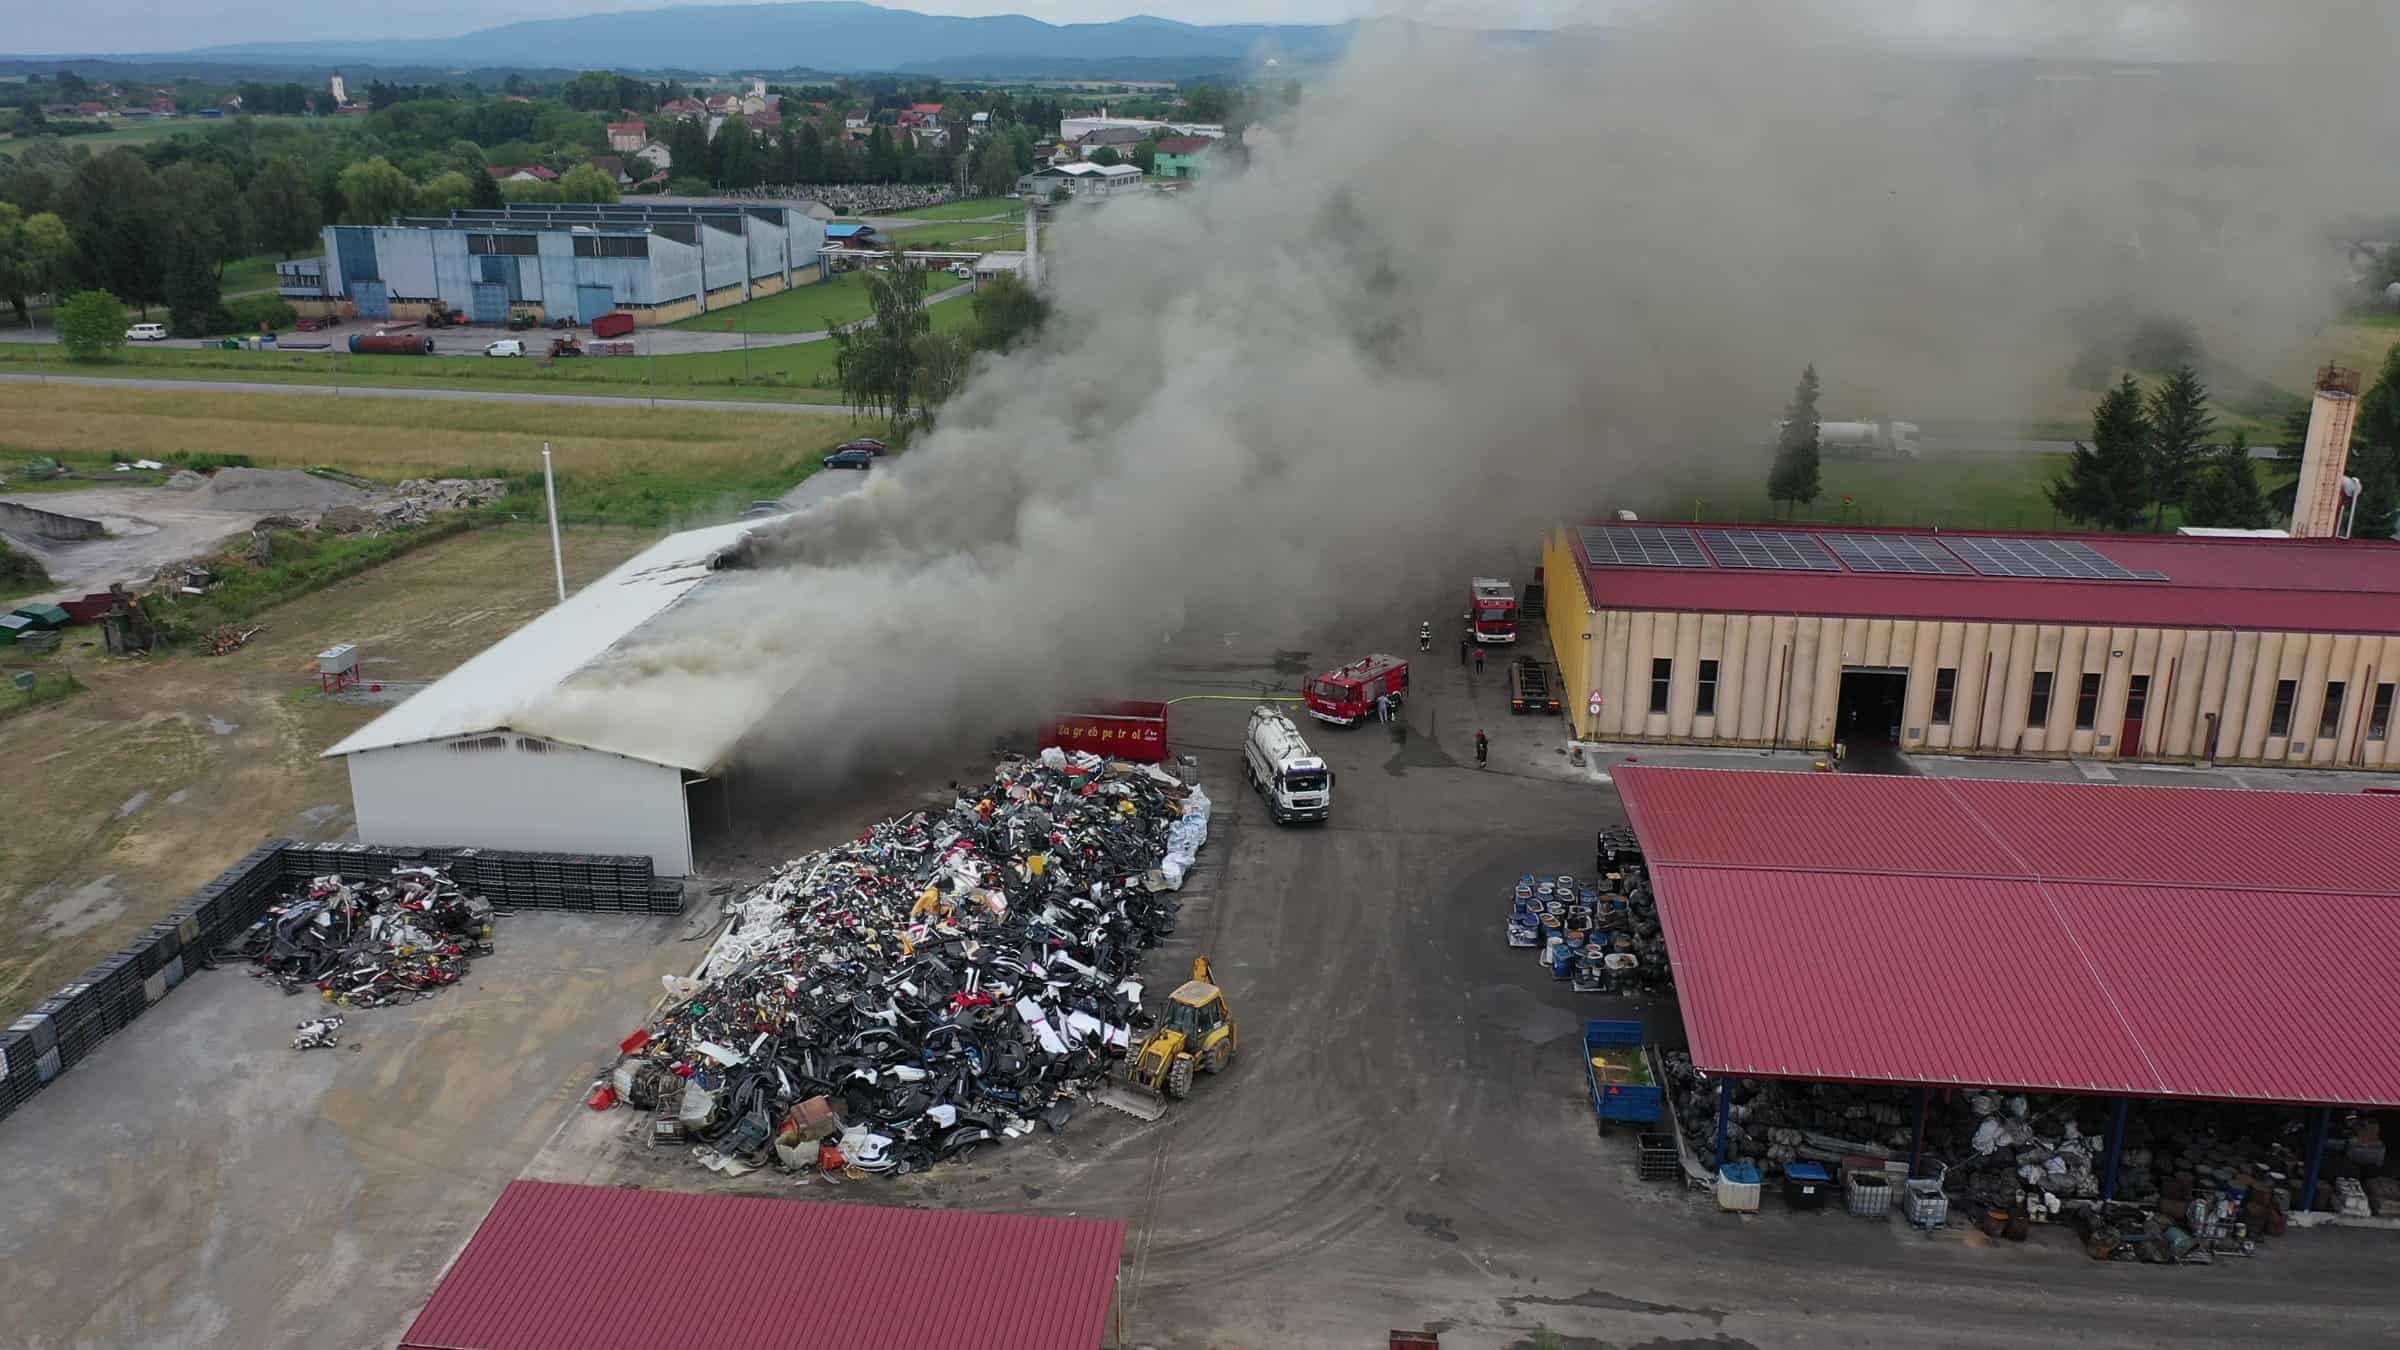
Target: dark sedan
[(850, 459)]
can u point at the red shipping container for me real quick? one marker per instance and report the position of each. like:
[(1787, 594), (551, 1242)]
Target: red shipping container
[(1122, 730), (612, 325)]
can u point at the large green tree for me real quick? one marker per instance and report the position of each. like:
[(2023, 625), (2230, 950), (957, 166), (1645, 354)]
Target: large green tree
[(117, 215), (996, 167), (281, 205), (876, 361), (207, 202), (1007, 312), (34, 252), (2106, 483), (2375, 452), (374, 190), (1793, 479), (195, 304), (446, 192), (2180, 423), (583, 183), (687, 148), (2226, 491)]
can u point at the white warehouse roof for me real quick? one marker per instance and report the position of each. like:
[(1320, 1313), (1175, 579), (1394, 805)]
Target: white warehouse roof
[(501, 683)]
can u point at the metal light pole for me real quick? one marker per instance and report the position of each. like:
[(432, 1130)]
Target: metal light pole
[(558, 558)]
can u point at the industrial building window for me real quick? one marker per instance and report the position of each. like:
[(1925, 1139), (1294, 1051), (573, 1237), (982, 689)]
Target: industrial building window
[(2286, 693), (479, 744), (1662, 674), (2329, 722), (533, 747), (2037, 704), (2087, 703), (513, 245), (612, 246), (2379, 720), (1945, 693), (1708, 689)]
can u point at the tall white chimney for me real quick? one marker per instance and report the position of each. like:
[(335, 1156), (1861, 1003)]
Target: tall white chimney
[(2325, 455)]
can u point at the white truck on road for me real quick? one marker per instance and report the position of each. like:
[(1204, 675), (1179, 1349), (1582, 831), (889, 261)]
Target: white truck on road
[(1288, 775)]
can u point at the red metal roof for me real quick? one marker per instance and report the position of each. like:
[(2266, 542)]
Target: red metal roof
[(2161, 942), (2288, 585), (557, 1267)]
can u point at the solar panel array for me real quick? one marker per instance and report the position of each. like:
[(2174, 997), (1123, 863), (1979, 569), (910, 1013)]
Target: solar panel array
[(1866, 554), (1642, 546), (2062, 559), (1769, 550), (1906, 553)]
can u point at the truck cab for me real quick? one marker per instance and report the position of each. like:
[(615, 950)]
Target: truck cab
[(1492, 610), (1294, 783)]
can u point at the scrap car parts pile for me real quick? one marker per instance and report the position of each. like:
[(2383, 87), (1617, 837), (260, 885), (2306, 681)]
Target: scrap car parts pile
[(370, 943), (946, 979), (2195, 1180)]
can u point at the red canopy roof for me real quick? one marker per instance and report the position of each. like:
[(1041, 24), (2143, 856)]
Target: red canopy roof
[(2288, 585), (2159, 942), (556, 1267)]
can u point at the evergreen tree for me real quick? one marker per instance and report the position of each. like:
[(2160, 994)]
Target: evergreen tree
[(2226, 491), (2106, 483), (1794, 478), (483, 192), (2179, 425), (195, 305), (2375, 452)]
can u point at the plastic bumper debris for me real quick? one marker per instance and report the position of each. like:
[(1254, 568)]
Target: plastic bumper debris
[(367, 944)]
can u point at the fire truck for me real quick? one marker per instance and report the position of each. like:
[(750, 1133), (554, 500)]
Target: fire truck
[(1347, 694), (1492, 610)]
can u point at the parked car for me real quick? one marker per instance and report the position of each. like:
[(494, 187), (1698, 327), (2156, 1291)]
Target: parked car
[(867, 443), (850, 459), (146, 332), (506, 347), (762, 508), (961, 270)]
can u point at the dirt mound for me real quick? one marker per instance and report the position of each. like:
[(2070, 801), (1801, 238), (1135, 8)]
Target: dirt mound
[(275, 490)]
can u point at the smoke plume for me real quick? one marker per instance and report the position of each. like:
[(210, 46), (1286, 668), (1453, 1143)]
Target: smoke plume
[(1468, 290)]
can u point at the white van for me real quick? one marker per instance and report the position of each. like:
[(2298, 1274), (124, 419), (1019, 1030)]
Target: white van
[(506, 347), (146, 332)]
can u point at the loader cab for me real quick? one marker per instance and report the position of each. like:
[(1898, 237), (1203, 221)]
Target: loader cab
[(1196, 1010)]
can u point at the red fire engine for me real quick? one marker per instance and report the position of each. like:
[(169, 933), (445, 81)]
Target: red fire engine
[(1346, 695), (1492, 610)]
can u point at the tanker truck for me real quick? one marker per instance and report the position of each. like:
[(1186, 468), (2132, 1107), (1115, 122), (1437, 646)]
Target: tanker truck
[(1864, 440)]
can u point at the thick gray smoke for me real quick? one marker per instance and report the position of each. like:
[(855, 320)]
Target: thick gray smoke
[(1473, 292)]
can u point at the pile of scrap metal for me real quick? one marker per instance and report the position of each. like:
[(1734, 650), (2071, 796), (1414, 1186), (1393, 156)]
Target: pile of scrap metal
[(1602, 935), (367, 944), (2194, 1179), (948, 979)]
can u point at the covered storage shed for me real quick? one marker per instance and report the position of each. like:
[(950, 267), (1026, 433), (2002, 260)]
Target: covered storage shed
[(454, 764), (559, 1267), (2264, 651), (2044, 937)]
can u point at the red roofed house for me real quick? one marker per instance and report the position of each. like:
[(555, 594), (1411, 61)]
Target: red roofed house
[(530, 173), (682, 108), (1179, 156), (2278, 651), (627, 137)]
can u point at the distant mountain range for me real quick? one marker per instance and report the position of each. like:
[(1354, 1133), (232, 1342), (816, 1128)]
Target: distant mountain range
[(823, 35)]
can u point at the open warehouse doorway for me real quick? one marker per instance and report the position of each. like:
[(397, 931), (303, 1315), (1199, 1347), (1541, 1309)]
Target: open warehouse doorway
[(1867, 719)]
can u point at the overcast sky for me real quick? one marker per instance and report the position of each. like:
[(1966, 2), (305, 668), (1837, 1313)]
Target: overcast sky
[(2122, 28)]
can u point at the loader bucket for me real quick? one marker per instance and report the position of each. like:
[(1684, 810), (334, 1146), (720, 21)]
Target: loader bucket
[(1142, 1103)]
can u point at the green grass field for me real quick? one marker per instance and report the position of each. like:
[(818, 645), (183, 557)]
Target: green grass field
[(967, 210), (248, 274), (1957, 491), (802, 373), (971, 237)]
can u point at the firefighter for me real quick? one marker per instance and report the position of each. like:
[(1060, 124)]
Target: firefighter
[(1479, 660), (1463, 644), (1425, 636), (1483, 747)]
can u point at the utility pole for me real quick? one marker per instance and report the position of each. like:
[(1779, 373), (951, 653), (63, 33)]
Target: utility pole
[(558, 557)]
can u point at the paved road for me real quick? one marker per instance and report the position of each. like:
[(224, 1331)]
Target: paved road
[(447, 395), (2010, 445)]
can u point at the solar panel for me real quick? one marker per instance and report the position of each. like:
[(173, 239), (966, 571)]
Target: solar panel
[(1771, 550), (2059, 559), (1894, 553), (1642, 546)]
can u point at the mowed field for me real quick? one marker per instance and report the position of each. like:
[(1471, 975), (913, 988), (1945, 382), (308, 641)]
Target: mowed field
[(392, 439), (165, 770), (977, 209)]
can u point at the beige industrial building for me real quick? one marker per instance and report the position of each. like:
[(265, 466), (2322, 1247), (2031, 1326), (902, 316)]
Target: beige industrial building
[(2250, 650), (2279, 651)]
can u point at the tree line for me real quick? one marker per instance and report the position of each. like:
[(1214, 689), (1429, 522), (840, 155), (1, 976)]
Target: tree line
[(897, 367)]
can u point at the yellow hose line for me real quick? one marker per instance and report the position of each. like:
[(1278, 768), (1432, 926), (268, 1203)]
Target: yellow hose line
[(1238, 698)]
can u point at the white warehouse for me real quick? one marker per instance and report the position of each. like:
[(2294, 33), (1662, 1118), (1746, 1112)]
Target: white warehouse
[(450, 766)]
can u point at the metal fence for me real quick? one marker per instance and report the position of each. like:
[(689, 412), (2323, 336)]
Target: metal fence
[(69, 1025)]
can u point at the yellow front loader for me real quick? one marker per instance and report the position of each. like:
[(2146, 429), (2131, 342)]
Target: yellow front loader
[(1198, 1037)]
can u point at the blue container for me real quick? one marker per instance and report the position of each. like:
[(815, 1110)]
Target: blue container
[(1562, 961), (1805, 1185)]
